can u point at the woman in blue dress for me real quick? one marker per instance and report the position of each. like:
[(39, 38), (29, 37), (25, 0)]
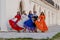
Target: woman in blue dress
[(29, 23)]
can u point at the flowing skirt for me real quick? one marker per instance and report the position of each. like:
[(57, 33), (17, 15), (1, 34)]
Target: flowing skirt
[(29, 25), (14, 25), (41, 25), (21, 22)]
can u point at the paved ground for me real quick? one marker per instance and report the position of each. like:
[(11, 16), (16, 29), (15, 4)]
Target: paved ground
[(50, 33)]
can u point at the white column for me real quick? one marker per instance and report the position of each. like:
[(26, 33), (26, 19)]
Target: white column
[(58, 18), (0, 14), (26, 5), (3, 16), (38, 10), (47, 17), (51, 22), (54, 18), (32, 5)]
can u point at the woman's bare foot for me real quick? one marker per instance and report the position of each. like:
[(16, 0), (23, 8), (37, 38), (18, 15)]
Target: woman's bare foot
[(43, 31), (18, 31), (24, 30)]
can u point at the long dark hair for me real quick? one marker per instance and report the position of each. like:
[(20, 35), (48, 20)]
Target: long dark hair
[(42, 13), (24, 13), (18, 13), (30, 12)]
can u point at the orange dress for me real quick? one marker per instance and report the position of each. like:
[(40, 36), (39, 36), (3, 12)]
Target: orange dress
[(41, 25)]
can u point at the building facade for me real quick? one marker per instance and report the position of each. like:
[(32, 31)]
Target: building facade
[(10, 7)]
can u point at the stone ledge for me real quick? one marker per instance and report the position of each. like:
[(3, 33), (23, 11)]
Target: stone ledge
[(27, 35)]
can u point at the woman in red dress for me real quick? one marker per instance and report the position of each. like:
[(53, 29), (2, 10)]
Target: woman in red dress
[(40, 23), (13, 22), (18, 16)]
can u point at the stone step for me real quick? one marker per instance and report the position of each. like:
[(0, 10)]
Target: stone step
[(14, 34), (27, 35)]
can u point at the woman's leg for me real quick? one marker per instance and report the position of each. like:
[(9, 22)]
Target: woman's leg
[(24, 30), (35, 30), (18, 31)]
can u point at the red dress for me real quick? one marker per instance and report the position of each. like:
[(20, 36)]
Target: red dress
[(18, 17), (41, 25), (14, 25)]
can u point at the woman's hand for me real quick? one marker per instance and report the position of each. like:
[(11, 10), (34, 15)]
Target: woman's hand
[(38, 19)]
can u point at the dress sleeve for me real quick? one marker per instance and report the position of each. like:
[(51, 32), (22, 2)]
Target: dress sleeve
[(18, 18)]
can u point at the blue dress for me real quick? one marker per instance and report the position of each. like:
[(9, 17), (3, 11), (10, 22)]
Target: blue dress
[(29, 23)]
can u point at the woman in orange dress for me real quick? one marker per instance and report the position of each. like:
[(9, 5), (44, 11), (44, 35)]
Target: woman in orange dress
[(40, 23)]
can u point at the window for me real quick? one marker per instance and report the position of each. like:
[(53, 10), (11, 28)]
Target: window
[(50, 1)]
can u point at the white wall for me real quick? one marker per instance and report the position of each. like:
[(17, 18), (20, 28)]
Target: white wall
[(0, 14), (3, 15), (58, 17), (50, 19), (10, 7), (8, 11)]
